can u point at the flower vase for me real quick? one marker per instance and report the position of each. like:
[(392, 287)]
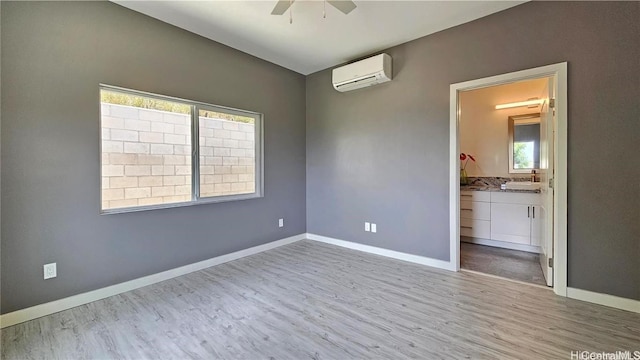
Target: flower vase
[(464, 180)]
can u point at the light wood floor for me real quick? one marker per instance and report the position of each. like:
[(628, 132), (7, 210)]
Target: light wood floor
[(507, 263), (310, 300)]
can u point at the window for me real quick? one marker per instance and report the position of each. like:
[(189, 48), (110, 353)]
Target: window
[(523, 155), (524, 143), (162, 152)]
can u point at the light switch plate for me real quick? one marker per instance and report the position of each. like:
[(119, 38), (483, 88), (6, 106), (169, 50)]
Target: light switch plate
[(280, 222), (50, 271), (374, 228), (367, 226)]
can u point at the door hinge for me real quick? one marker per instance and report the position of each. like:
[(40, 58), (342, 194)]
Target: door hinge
[(550, 262), (552, 103), (550, 183)]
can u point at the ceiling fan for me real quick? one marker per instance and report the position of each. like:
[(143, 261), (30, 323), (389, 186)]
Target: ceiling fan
[(345, 6)]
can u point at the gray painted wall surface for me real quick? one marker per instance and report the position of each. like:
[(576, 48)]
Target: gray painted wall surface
[(381, 154), (54, 55)]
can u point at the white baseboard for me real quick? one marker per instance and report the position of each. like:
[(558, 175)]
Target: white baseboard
[(385, 252), (604, 299), (52, 307), (589, 296)]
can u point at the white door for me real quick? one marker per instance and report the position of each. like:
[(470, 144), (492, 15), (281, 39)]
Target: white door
[(546, 179)]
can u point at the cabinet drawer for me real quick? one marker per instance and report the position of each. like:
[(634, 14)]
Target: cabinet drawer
[(483, 196), (515, 198), (475, 228), (475, 210)]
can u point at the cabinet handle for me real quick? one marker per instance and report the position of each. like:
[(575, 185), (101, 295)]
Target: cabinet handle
[(467, 209), (528, 211), (467, 195), (467, 227), (534, 212)]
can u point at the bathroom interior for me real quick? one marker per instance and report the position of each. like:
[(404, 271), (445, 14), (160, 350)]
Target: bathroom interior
[(505, 161)]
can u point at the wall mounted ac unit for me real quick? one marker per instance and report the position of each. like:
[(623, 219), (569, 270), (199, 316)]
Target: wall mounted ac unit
[(371, 71)]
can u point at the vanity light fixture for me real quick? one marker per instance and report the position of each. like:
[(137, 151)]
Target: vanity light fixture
[(534, 102)]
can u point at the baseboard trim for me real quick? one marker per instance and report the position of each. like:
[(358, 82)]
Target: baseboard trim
[(604, 299), (422, 260), (52, 307)]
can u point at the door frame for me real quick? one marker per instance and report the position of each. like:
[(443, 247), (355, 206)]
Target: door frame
[(559, 73)]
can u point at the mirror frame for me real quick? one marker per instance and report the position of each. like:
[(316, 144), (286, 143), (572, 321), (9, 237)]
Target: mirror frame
[(519, 119)]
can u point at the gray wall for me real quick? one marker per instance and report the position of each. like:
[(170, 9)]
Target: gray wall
[(54, 55), (381, 154), (376, 154)]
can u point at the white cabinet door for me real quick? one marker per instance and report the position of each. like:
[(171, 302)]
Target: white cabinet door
[(537, 221), (511, 222)]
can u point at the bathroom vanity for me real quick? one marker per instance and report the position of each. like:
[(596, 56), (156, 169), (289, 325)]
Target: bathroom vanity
[(502, 218)]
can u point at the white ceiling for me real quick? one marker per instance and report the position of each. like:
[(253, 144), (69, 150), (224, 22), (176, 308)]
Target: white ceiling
[(312, 43)]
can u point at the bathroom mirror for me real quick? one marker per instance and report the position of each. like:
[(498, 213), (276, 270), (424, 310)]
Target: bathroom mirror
[(524, 143)]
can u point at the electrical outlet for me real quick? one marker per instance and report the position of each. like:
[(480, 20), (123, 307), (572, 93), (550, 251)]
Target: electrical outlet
[(280, 222), (374, 228), (367, 226), (50, 271)]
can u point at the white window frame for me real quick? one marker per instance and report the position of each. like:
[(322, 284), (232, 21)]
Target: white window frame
[(195, 152)]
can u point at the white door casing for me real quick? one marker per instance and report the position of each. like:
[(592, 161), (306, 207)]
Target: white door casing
[(559, 209)]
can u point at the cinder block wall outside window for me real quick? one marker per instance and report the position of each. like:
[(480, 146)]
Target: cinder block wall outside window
[(146, 157)]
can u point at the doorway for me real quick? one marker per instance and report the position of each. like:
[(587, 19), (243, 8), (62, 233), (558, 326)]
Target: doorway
[(503, 142), (528, 216)]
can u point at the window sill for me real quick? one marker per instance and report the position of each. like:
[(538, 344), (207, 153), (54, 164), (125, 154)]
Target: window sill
[(218, 199)]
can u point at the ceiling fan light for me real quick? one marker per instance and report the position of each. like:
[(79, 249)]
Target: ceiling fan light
[(345, 6)]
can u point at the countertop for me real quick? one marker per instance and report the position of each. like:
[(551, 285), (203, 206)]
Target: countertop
[(494, 189)]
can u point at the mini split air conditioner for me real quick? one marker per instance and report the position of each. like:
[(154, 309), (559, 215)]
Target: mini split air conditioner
[(371, 71)]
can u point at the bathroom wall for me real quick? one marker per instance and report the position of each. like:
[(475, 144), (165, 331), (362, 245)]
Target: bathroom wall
[(484, 130)]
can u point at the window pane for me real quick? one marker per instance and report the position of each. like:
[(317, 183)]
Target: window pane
[(146, 150), (227, 154), (523, 155)]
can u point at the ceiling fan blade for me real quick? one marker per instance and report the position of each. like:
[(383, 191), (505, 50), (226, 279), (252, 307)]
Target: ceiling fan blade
[(346, 6), (281, 7)]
